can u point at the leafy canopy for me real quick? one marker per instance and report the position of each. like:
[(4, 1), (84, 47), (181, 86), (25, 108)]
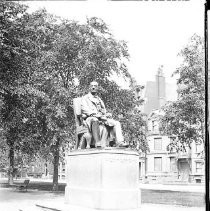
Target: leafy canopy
[(184, 118)]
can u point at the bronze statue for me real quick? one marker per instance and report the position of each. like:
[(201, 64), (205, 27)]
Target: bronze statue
[(96, 116)]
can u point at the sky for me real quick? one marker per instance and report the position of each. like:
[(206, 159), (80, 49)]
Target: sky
[(155, 31)]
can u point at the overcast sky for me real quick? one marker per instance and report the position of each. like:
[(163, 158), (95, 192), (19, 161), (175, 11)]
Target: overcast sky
[(156, 31)]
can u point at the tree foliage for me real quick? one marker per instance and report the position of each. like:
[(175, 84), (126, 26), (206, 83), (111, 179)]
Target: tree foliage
[(184, 118), (124, 105), (41, 55), (15, 73)]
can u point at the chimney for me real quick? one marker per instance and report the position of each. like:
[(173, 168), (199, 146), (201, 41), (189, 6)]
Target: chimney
[(160, 87)]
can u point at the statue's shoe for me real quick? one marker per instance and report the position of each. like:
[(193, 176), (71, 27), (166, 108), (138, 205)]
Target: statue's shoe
[(122, 145), (100, 146)]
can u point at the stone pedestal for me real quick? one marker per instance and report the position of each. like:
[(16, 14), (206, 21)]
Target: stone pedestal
[(103, 179)]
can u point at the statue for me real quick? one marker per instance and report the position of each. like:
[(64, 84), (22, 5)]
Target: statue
[(99, 123)]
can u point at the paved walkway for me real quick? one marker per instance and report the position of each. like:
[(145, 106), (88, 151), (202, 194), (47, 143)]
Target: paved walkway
[(34, 200)]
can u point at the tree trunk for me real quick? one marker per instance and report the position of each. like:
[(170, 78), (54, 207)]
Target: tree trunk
[(11, 164), (55, 163)]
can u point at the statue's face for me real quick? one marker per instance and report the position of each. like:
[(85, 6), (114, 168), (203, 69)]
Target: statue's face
[(93, 87)]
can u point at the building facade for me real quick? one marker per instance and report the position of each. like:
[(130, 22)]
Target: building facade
[(163, 165), (44, 169)]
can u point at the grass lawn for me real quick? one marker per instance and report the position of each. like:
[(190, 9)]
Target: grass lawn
[(38, 185), (173, 197)]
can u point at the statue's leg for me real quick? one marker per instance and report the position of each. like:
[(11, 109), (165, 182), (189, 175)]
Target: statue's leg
[(92, 143), (95, 131), (77, 142), (83, 141), (116, 130), (112, 137), (104, 135), (88, 138)]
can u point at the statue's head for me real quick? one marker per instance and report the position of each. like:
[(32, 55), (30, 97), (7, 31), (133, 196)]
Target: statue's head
[(94, 87)]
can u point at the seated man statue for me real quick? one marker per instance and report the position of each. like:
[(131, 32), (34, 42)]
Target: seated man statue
[(94, 110)]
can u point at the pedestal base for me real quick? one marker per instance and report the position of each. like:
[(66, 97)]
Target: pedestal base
[(103, 179)]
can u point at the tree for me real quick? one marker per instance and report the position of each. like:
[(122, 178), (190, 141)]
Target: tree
[(84, 51), (134, 127), (15, 70), (124, 105), (3, 153), (40, 59), (87, 52), (184, 118), (20, 48)]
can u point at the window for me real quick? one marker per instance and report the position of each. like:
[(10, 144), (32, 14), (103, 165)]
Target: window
[(63, 167), (198, 148), (157, 143), (153, 125), (45, 169), (198, 166), (139, 169), (173, 164), (158, 163)]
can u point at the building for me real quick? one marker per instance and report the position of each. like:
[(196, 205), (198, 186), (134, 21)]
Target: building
[(142, 167), (44, 169), (163, 165), (157, 93), (40, 169)]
